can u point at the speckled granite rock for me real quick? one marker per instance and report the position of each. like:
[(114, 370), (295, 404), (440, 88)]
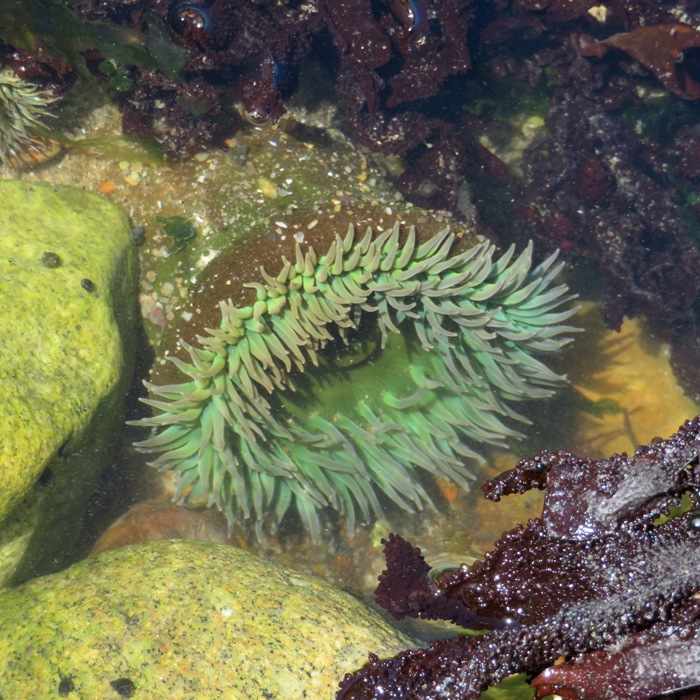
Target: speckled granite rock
[(182, 619), (67, 288)]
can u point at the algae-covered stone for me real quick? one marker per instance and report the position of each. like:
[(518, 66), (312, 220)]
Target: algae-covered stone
[(67, 286), (182, 619)]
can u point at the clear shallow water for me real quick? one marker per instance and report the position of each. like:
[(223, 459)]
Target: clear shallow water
[(618, 380), (623, 391)]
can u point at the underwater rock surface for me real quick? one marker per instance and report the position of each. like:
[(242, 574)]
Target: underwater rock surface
[(176, 619), (67, 281)]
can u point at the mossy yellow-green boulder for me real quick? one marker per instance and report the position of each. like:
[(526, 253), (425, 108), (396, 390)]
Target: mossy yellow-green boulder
[(67, 289), (183, 619)]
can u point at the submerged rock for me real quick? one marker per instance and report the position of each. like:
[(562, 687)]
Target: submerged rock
[(67, 285), (176, 619)]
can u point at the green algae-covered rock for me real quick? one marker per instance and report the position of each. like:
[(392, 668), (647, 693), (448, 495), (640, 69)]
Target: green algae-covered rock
[(183, 619), (67, 288)]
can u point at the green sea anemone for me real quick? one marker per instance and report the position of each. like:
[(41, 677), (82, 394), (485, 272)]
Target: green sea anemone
[(353, 372), (24, 109)]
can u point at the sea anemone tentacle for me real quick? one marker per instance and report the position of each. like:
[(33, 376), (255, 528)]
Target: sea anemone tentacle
[(24, 110), (418, 353)]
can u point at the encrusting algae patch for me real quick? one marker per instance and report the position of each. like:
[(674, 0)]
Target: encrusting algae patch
[(178, 619), (631, 393), (67, 282)]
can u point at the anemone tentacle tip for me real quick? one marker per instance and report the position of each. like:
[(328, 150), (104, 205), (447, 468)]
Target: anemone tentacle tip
[(354, 372), (24, 109)]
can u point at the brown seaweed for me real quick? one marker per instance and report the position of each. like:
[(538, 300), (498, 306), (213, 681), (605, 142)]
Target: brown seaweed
[(598, 572), (665, 49), (663, 658)]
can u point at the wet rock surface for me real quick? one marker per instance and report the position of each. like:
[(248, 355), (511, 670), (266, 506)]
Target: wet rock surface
[(67, 280), (179, 619)]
